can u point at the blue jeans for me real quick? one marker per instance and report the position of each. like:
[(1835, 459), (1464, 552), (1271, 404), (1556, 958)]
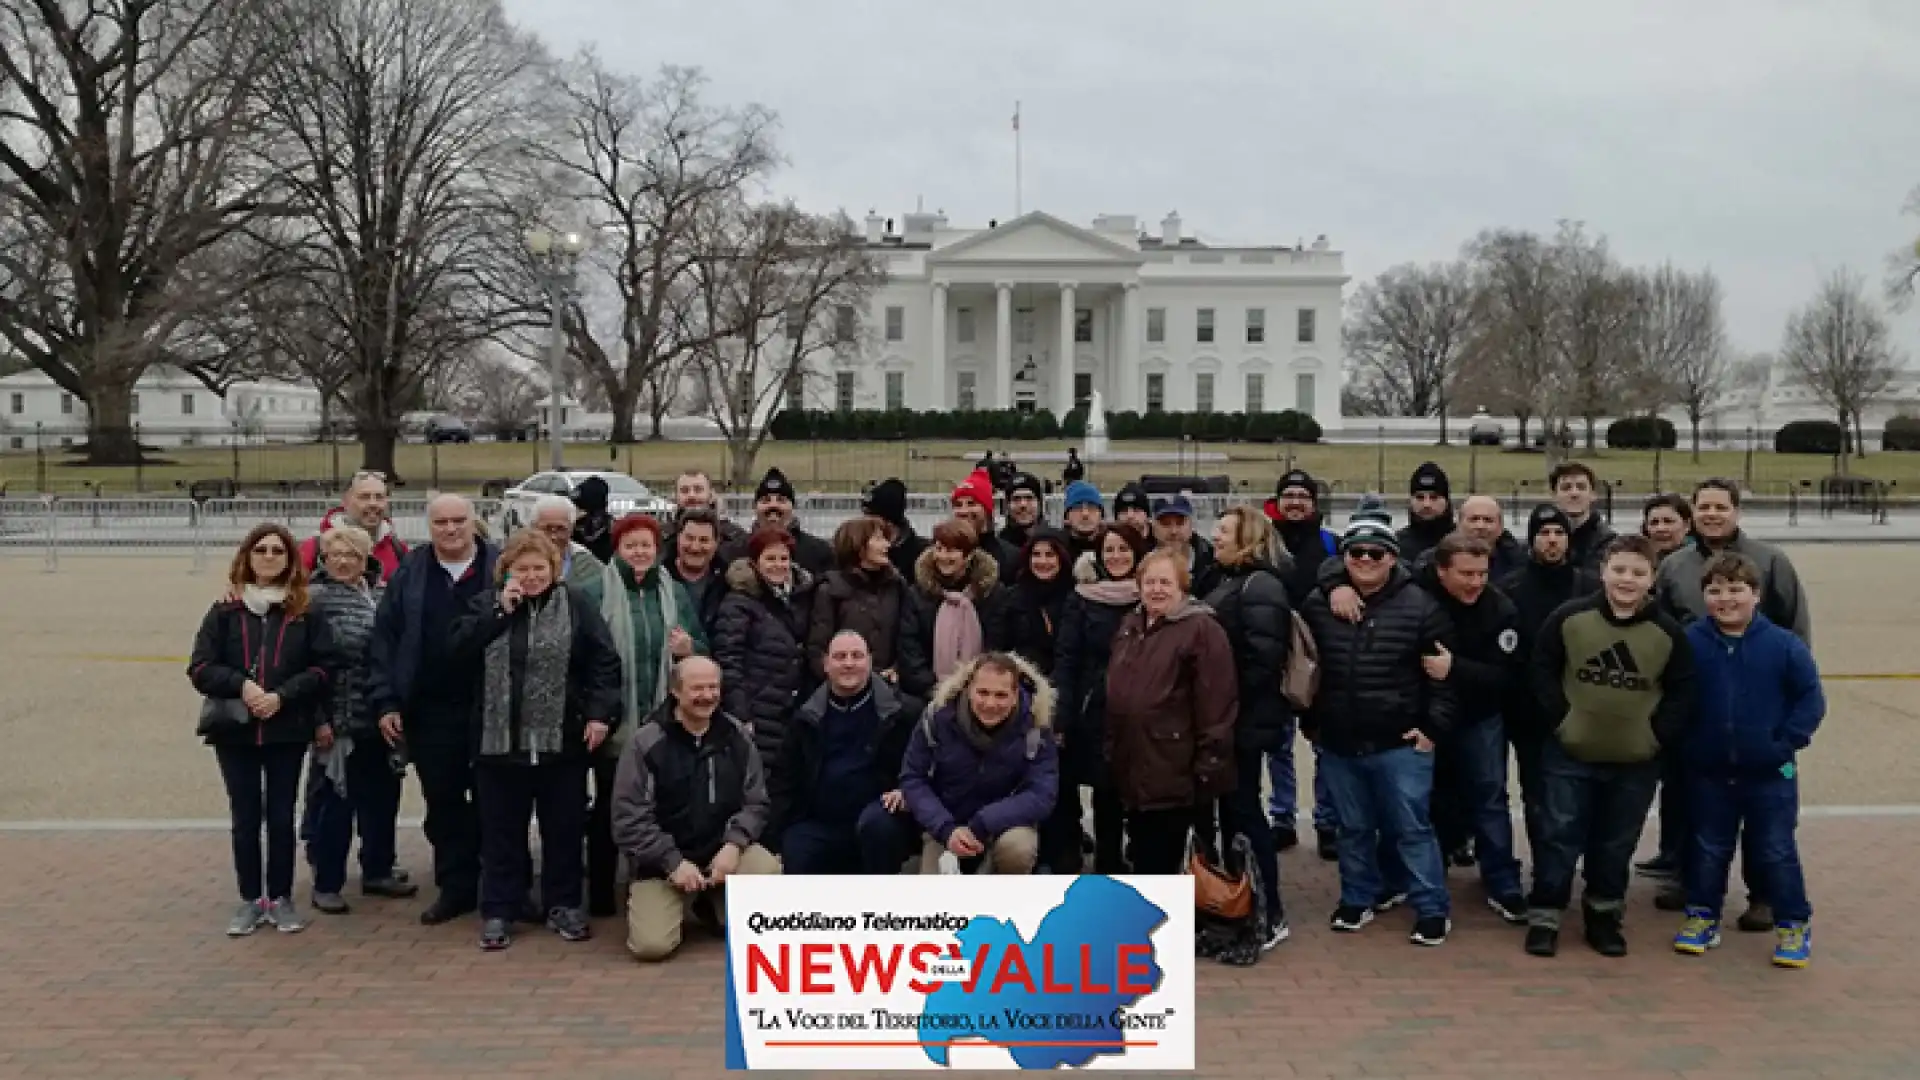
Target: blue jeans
[(1382, 801), (877, 843), (1480, 751), (1283, 805), (1769, 807)]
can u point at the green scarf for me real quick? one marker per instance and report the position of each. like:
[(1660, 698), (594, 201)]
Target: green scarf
[(636, 642)]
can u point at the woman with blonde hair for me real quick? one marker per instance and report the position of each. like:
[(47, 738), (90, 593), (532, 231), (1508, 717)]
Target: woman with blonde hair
[(1249, 600), (257, 661), (355, 781), (549, 695)]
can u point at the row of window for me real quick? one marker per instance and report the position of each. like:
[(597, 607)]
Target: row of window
[(1305, 328), (18, 404), (968, 384)]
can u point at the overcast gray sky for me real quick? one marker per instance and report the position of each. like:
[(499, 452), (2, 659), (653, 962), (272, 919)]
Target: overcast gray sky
[(1772, 140)]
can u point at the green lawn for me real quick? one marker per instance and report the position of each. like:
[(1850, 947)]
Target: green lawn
[(935, 466)]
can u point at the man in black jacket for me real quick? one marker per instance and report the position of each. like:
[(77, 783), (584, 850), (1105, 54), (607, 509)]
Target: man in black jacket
[(421, 696), (1024, 493), (692, 562), (773, 508), (837, 807), (888, 502), (1470, 800), (1295, 513), (1376, 717), (1482, 519), (1429, 512), (1575, 488), (1547, 581)]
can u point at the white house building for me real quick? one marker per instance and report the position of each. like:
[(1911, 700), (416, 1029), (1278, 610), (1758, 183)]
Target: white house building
[(1039, 313), (171, 408)]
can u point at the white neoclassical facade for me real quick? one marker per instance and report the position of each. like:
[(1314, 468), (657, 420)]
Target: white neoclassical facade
[(171, 408), (1039, 313)]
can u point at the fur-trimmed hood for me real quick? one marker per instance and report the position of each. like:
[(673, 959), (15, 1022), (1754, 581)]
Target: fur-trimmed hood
[(745, 580), (983, 575), (1036, 691), (1086, 568)]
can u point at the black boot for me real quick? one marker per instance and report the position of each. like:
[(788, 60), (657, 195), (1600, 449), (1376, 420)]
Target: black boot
[(1603, 932), (1327, 843), (446, 908), (1542, 940)]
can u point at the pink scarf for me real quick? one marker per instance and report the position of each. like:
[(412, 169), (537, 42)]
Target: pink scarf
[(956, 634)]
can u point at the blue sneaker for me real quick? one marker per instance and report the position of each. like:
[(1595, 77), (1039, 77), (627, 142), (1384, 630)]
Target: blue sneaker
[(1793, 945), (1699, 933)]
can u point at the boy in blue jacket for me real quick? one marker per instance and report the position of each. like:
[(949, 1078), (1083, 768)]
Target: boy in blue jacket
[(1759, 703)]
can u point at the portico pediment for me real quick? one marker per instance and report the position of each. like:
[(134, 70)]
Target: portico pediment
[(1036, 238)]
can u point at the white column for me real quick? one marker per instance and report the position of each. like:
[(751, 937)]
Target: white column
[(1128, 393), (934, 382), (1003, 344), (1063, 365)]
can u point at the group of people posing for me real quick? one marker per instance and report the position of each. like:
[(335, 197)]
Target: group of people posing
[(678, 702)]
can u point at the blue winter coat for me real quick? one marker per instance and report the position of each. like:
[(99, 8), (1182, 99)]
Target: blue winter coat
[(947, 783), (1758, 699)]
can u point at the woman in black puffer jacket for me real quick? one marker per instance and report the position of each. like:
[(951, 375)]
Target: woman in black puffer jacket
[(1104, 591), (759, 638), (868, 596), (1249, 599)]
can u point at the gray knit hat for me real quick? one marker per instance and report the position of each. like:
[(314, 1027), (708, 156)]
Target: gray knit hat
[(1370, 525)]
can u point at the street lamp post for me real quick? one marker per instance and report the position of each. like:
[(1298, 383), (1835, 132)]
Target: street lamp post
[(554, 255)]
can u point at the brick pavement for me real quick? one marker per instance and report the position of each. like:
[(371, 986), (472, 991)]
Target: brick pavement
[(112, 965)]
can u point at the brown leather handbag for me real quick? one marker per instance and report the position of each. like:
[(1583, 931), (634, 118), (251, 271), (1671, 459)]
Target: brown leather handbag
[(1217, 893)]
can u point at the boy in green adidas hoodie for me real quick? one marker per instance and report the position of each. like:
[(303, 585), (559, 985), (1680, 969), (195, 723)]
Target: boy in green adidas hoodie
[(1615, 676)]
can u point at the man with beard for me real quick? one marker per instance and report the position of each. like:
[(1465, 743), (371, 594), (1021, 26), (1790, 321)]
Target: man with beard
[(888, 502), (1574, 490), (1023, 510), (1429, 512), (773, 508), (1295, 513), (691, 561), (1086, 511), (364, 504), (973, 504), (1547, 581), (1132, 507), (693, 490)]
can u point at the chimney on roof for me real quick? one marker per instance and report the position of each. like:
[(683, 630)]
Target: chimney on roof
[(1170, 230), (1320, 243), (876, 227)]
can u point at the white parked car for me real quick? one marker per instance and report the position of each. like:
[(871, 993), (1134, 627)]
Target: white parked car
[(625, 495)]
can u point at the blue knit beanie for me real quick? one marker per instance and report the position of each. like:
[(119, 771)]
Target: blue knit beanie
[(1081, 493)]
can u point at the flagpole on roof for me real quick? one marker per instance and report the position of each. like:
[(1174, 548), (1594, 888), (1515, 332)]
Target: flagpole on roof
[(1016, 159)]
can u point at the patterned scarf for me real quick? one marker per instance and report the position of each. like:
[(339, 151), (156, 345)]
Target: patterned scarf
[(542, 687)]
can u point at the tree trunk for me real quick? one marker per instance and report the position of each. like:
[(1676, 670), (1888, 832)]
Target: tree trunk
[(1443, 421), (1523, 418), (110, 437), (623, 401), (743, 450), (1695, 422), (379, 437), (1590, 422), (1859, 437)]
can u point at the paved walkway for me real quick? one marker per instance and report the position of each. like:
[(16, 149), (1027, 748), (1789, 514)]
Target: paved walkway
[(112, 965)]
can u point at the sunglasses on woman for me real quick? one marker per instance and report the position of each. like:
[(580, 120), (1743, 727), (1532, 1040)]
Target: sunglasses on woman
[(1367, 554)]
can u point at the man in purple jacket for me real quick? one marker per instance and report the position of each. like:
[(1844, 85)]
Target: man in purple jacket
[(982, 768)]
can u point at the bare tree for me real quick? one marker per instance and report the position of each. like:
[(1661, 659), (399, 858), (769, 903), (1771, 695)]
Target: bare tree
[(644, 161), (1595, 335), (121, 181), (500, 396), (1512, 352), (771, 287), (1411, 326), (1683, 343), (661, 392), (1840, 345), (410, 123)]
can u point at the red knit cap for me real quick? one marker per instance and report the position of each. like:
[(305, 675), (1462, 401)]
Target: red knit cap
[(977, 487)]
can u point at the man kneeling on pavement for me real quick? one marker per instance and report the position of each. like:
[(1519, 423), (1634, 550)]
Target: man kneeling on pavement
[(689, 805), (837, 805), (982, 769)]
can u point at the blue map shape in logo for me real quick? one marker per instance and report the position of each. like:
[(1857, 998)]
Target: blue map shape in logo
[(1097, 912)]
